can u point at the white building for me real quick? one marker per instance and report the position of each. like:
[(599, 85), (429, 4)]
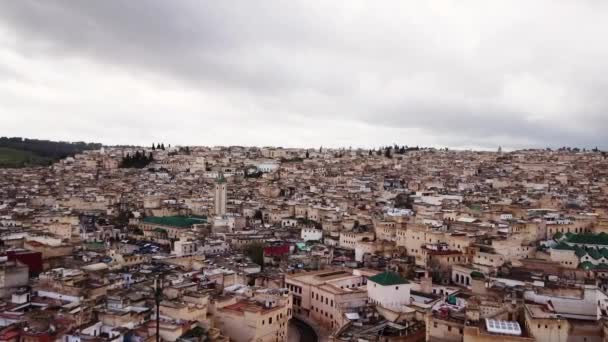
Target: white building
[(311, 234), (268, 166), (388, 290), (211, 247), (183, 246)]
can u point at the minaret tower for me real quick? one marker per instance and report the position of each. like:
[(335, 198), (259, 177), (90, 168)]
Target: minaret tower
[(220, 195)]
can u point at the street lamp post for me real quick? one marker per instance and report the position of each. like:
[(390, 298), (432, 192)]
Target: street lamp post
[(158, 294)]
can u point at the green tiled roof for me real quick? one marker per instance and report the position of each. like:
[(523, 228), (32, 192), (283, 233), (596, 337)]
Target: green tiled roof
[(589, 239), (477, 275), (95, 245), (388, 278), (176, 221), (563, 245), (594, 253), (580, 252), (586, 265)]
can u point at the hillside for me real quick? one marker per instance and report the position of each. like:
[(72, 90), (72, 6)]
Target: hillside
[(22, 152), (10, 157)]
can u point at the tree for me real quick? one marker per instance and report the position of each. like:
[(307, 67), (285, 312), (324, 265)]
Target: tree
[(139, 160), (307, 155), (162, 146), (370, 152), (195, 334), (403, 201), (122, 219), (255, 251), (387, 152), (436, 271), (153, 146), (258, 215)]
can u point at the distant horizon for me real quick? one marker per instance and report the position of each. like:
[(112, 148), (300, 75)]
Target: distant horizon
[(168, 144)]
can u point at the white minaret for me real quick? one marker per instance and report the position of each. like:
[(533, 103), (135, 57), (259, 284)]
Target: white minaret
[(220, 195)]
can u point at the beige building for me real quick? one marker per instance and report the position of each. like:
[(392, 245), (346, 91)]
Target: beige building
[(386, 230), (255, 320), (184, 311), (325, 295), (512, 248), (565, 257), (488, 262), (545, 326), (349, 239)]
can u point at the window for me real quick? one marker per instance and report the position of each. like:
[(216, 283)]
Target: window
[(449, 328), (263, 322), (435, 325), (396, 287), (270, 320)]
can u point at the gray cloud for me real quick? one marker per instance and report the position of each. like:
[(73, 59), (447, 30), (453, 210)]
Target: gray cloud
[(474, 74)]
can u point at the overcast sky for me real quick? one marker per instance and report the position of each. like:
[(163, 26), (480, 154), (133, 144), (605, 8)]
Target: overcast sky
[(463, 74)]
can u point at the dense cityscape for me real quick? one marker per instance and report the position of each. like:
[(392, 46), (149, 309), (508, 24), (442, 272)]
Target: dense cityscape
[(303, 170), (191, 243)]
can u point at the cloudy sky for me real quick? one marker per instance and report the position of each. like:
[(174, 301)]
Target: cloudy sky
[(464, 74)]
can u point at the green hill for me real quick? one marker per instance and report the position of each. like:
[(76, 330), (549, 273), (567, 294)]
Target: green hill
[(22, 152), (10, 157)]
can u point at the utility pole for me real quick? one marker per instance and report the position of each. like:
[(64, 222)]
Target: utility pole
[(158, 294)]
